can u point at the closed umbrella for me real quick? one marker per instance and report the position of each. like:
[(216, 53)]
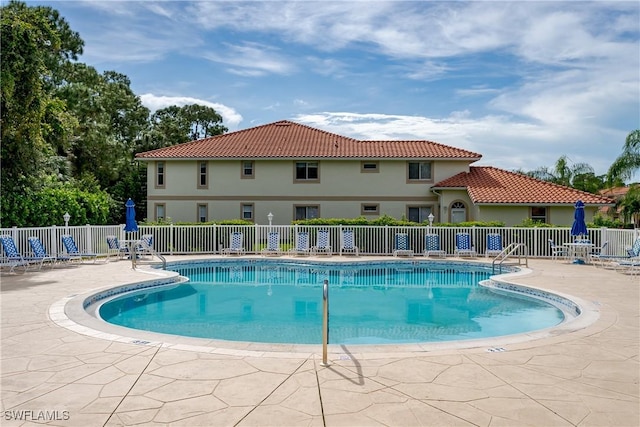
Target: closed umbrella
[(130, 224), (579, 227)]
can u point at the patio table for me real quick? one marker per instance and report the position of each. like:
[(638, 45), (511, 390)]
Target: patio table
[(579, 252)]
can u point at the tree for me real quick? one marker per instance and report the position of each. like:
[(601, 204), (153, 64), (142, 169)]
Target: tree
[(580, 176), (33, 38), (175, 125), (628, 162), (63, 123), (203, 121), (111, 121), (630, 205)]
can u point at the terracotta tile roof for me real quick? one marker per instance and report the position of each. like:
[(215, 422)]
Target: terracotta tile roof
[(615, 192), (285, 139), (490, 185)]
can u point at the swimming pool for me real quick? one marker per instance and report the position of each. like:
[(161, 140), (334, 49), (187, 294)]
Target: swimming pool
[(278, 301)]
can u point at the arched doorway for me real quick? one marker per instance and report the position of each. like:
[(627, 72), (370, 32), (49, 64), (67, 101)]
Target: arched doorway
[(458, 212)]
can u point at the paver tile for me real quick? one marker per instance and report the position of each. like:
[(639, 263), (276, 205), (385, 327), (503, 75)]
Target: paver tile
[(586, 377)]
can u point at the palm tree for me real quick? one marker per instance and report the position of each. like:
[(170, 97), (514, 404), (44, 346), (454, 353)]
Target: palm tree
[(630, 205), (563, 173), (628, 162)]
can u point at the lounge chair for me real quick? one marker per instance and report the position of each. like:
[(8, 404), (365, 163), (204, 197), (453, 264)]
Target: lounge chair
[(631, 261), (115, 248), (402, 245), (273, 244), (73, 252), (302, 244), (494, 245), (347, 243), (322, 244), (464, 247), (12, 257), (558, 251), (236, 246), (629, 265), (40, 253), (432, 246)]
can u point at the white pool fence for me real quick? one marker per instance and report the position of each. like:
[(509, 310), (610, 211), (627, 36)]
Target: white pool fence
[(371, 240)]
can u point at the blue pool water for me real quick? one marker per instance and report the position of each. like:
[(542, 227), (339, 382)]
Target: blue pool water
[(281, 302)]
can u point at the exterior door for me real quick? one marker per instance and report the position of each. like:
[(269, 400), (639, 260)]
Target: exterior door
[(458, 213)]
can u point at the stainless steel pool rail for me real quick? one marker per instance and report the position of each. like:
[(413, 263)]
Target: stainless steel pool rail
[(325, 321), (518, 250), (134, 255)]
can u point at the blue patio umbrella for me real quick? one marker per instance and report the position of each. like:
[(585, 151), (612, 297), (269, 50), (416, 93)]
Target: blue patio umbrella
[(130, 224), (579, 227)]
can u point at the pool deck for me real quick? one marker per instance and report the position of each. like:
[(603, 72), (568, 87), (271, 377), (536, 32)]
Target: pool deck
[(588, 376)]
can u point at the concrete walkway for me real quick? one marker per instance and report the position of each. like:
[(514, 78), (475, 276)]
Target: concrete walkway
[(57, 376)]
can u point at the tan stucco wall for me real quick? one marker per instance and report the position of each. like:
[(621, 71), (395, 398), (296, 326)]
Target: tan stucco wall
[(340, 191), (513, 215)]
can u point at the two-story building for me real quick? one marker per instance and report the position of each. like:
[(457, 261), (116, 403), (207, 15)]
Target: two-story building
[(298, 172)]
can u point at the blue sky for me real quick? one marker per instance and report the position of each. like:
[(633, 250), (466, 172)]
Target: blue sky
[(521, 83)]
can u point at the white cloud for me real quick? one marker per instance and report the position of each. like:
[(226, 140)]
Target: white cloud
[(257, 59), (231, 118), (553, 77), (501, 140)]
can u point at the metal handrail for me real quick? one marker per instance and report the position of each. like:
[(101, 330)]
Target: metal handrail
[(134, 255), (512, 249), (325, 321)]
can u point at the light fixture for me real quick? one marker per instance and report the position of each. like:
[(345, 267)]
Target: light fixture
[(431, 219), (66, 218), (270, 217)]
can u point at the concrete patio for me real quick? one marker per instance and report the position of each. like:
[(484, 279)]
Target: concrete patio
[(59, 376)]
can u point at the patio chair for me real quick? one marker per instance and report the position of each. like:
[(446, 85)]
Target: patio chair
[(40, 253), (145, 245), (464, 247), (302, 244), (12, 257), (273, 244), (631, 261), (597, 252), (494, 245), (432, 246), (558, 251), (347, 243), (402, 245), (73, 252), (115, 248), (322, 244), (236, 246)]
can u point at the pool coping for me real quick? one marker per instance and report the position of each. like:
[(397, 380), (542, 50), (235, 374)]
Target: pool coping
[(70, 313)]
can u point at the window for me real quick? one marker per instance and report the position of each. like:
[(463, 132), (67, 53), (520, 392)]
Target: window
[(160, 174), (202, 213), (369, 209), (539, 214), (458, 212), (247, 211), (418, 213), (247, 169), (306, 212), (306, 171), (419, 171), (160, 212), (369, 167), (202, 174)]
